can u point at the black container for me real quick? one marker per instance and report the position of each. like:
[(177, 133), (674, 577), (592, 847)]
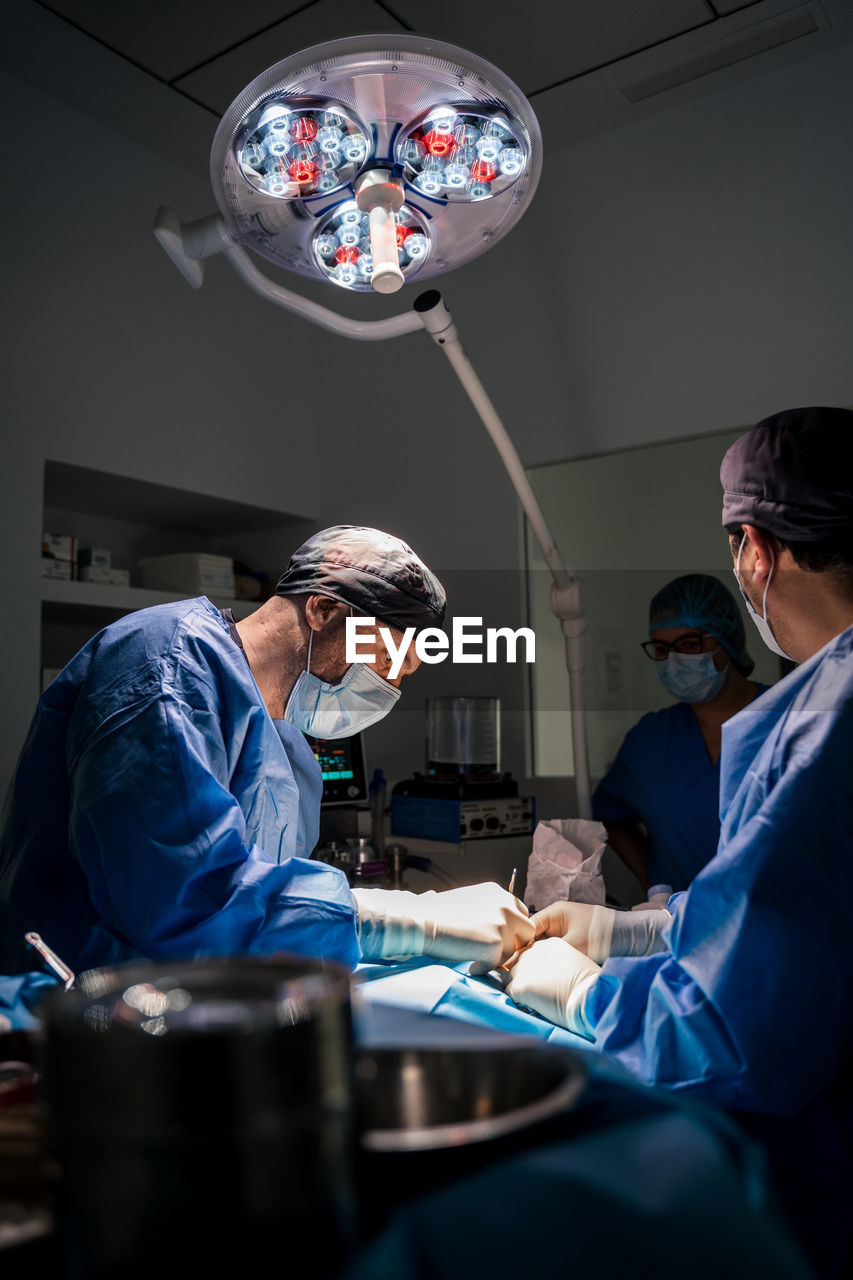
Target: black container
[(203, 1114), (429, 1116)]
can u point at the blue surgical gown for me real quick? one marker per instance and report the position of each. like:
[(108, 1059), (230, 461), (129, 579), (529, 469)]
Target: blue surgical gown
[(158, 811), (20, 996), (752, 1006), (663, 777)]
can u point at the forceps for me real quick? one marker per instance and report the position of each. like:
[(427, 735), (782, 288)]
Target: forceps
[(51, 959)]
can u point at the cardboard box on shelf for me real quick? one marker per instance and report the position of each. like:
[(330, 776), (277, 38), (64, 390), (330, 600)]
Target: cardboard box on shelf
[(59, 546), (111, 577), (61, 569), (194, 571), (96, 557)]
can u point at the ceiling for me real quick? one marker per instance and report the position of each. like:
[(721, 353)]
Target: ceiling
[(208, 49), (164, 70)]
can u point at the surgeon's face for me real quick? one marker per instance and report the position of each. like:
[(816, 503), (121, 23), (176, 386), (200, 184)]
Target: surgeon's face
[(328, 650), (385, 652)]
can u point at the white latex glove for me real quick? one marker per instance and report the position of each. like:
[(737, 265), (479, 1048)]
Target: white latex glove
[(478, 922), (656, 902), (553, 978), (601, 931)]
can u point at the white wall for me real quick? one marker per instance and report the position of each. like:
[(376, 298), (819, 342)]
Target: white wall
[(700, 264), (686, 274), (628, 523)]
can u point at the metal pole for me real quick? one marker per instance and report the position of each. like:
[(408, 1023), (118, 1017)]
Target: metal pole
[(565, 591)]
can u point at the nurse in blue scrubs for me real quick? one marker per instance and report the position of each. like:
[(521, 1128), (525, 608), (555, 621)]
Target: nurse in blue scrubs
[(660, 798)]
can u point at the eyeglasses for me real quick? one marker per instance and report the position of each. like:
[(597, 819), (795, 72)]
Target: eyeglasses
[(659, 650)]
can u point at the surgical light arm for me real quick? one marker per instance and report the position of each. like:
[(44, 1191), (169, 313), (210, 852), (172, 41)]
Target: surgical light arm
[(189, 244), (565, 588)]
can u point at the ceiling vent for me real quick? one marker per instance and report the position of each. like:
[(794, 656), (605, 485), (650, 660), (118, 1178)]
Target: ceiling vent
[(770, 35)]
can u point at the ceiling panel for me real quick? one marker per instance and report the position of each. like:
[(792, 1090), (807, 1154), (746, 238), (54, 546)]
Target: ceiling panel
[(168, 38), (229, 43), (543, 43), (217, 84), (732, 6)]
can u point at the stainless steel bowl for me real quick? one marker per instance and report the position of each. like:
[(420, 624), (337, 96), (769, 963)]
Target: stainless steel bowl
[(429, 1116), (421, 1099)]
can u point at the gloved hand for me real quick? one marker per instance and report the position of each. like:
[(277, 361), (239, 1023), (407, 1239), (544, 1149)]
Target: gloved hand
[(478, 922), (554, 979), (655, 902), (568, 920), (601, 932)]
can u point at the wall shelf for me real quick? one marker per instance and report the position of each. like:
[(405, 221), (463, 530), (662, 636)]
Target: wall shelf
[(103, 493), (72, 603), (138, 518)]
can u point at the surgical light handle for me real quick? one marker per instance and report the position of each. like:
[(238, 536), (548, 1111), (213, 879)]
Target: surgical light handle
[(188, 244)]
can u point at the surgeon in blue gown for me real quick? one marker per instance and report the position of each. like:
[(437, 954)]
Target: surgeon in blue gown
[(166, 802), (744, 998), (659, 800)]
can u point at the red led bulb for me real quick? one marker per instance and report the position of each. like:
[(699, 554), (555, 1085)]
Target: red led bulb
[(302, 171), (438, 143), (304, 129), (483, 171)]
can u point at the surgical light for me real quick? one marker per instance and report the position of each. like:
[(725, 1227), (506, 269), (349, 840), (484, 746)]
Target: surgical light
[(365, 162), (386, 122)]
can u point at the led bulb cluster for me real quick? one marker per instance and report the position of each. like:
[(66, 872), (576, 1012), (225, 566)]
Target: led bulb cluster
[(460, 155), (342, 245), (291, 152)]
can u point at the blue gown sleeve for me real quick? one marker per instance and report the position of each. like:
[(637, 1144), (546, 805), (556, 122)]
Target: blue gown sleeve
[(753, 1008), (19, 998), (163, 842)]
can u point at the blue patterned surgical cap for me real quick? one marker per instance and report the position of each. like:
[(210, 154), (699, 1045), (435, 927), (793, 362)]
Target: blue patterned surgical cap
[(698, 600), (374, 572)]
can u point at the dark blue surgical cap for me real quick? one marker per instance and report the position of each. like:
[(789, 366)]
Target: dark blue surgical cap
[(698, 600), (792, 475), (374, 572)]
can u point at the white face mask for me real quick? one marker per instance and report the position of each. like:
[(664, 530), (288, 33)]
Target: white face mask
[(339, 710), (764, 628), (691, 677)]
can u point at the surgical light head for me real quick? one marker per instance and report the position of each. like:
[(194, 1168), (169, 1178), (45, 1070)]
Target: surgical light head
[(436, 152)]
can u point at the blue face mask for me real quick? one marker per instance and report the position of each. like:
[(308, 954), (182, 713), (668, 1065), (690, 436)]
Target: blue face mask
[(691, 677), (339, 710), (764, 628)]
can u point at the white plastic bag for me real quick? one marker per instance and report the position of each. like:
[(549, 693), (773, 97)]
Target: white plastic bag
[(565, 863)]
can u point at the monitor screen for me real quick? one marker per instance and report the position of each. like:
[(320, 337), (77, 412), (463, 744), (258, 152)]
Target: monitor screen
[(344, 773)]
